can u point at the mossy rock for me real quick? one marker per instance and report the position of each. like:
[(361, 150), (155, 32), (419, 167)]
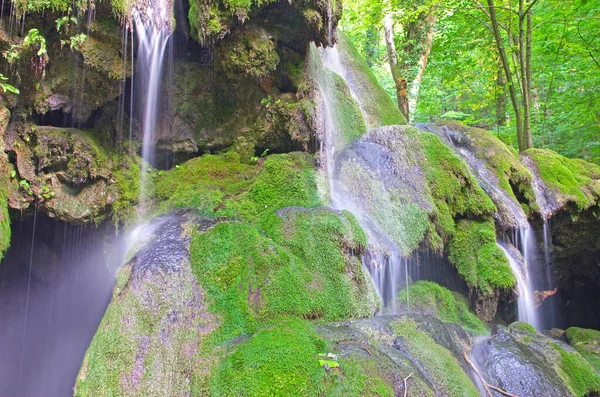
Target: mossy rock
[(74, 175), (567, 181), (377, 106), (432, 299), (528, 363), (5, 175), (587, 343), (478, 258)]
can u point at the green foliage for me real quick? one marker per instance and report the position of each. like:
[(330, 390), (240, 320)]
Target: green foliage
[(576, 372), (431, 298), (5, 87), (587, 343), (477, 257), (575, 180), (444, 369), (34, 41)]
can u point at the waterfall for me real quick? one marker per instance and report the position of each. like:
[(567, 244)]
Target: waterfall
[(383, 259), (153, 33), (525, 300)]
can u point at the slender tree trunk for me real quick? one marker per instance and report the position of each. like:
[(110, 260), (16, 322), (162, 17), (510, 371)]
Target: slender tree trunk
[(527, 127), (525, 136), (399, 79), (427, 43), (507, 72), (501, 98)]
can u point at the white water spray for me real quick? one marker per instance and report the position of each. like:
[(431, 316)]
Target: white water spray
[(153, 33), (525, 301)]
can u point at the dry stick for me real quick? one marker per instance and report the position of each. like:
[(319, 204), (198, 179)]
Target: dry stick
[(406, 385), (367, 350), (485, 385)]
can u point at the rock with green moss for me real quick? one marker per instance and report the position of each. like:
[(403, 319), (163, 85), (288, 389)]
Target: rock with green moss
[(6, 172), (564, 183), (377, 106), (74, 175), (587, 343), (496, 167), (432, 299), (527, 363), (147, 343), (388, 349)]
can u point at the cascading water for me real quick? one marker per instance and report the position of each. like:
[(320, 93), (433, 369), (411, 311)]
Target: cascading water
[(153, 27), (383, 259), (526, 299)]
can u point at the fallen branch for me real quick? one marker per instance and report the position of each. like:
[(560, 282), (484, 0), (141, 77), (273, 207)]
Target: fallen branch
[(486, 385), (367, 350), (406, 384)]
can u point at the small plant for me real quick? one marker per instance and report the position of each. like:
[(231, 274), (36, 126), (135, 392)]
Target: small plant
[(5, 87)]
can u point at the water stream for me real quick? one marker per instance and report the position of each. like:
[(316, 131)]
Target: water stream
[(383, 259)]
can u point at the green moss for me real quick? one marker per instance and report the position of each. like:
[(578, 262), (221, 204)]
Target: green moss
[(377, 106), (574, 180), (587, 343), (104, 57), (576, 372), (455, 193), (300, 271), (513, 177), (431, 298), (444, 369), (477, 257), (522, 326), (278, 361), (205, 184), (248, 54)]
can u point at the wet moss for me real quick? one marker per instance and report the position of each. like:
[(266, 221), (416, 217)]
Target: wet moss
[(477, 257), (377, 106), (430, 298), (455, 193), (576, 372), (573, 180), (5, 176), (513, 177), (301, 270), (522, 326), (587, 343), (443, 368)]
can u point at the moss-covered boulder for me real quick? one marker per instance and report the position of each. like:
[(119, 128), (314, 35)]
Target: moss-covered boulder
[(387, 349), (496, 167), (564, 182), (587, 343), (73, 175), (432, 299), (526, 363)]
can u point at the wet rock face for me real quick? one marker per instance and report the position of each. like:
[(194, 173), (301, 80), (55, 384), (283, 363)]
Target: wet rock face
[(526, 363), (396, 346), (65, 172), (147, 341)]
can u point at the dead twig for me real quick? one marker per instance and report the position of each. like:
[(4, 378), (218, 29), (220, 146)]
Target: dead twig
[(406, 384), (367, 350), (486, 385)]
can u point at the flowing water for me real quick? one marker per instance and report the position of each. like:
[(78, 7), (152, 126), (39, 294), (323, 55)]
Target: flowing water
[(383, 259), (153, 33), (525, 300)]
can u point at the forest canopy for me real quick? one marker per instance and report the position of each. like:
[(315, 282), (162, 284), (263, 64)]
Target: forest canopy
[(450, 61)]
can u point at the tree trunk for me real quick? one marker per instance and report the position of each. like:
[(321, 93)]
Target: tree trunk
[(507, 72), (527, 127), (525, 136), (399, 79), (427, 43), (501, 98)]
